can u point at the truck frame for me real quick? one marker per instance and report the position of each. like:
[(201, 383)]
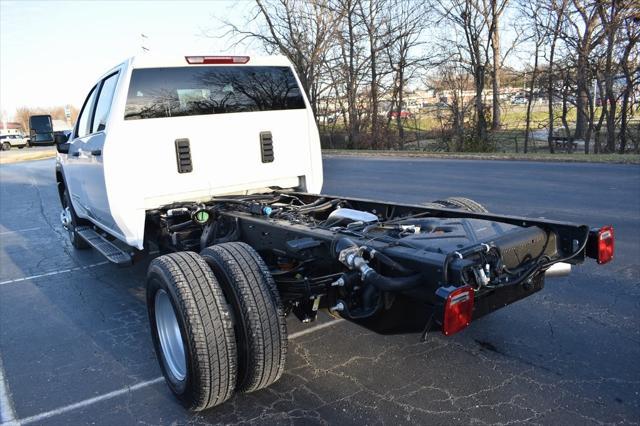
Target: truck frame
[(311, 252), (243, 245)]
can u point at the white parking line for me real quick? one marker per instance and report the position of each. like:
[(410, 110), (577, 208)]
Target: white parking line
[(19, 231), (7, 413), (315, 328), (11, 417), (48, 274), (90, 401)]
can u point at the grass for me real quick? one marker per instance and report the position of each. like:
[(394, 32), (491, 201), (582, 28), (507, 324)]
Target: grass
[(24, 155), (559, 157), (423, 130)]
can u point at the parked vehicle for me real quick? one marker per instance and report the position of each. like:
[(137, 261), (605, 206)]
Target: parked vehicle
[(216, 161), (404, 114), (329, 118), (12, 141)]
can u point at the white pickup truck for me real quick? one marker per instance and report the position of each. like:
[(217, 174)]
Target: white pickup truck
[(215, 161)]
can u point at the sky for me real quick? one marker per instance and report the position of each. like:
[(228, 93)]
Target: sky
[(52, 52)]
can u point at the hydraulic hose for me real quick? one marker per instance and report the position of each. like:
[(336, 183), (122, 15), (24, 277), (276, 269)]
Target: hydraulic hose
[(384, 283), (318, 208), (395, 266), (369, 309), (349, 254)]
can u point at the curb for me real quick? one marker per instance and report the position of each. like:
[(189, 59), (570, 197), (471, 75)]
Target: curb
[(31, 156), (556, 158)]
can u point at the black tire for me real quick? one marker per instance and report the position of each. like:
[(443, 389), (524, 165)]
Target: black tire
[(462, 203), (6, 146), (20, 147), (76, 240), (261, 330), (206, 329), (431, 205)]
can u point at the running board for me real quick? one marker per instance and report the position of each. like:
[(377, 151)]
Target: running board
[(113, 253)]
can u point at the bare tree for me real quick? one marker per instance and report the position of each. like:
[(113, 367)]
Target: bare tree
[(375, 16), (454, 80), (537, 26), (301, 30), (475, 19), (408, 23), (496, 9), (581, 35), (556, 9), (629, 65)]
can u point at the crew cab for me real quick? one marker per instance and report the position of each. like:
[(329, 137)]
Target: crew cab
[(215, 162)]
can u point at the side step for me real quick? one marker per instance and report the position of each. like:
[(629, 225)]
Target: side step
[(113, 253)]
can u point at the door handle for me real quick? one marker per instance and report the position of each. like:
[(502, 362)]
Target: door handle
[(96, 152)]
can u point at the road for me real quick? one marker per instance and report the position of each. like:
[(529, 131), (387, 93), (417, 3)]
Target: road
[(75, 345)]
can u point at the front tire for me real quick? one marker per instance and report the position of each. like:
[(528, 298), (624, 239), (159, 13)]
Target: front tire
[(192, 330), (71, 221), (6, 146), (261, 330)]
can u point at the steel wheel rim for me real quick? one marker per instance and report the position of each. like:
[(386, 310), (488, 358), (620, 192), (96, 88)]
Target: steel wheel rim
[(170, 336)]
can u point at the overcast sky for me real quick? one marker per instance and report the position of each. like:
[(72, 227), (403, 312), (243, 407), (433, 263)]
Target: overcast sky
[(51, 52)]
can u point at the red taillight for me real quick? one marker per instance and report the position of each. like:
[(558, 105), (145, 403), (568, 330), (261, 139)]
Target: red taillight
[(605, 244), (458, 308), (217, 59)]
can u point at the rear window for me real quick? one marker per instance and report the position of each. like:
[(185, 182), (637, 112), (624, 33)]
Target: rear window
[(176, 92)]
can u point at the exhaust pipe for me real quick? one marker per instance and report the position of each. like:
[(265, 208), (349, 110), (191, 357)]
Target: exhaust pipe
[(560, 269)]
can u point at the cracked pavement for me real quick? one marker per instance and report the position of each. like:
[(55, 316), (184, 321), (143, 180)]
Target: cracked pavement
[(566, 355)]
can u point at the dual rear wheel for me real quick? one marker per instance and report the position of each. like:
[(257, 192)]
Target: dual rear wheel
[(461, 203), (217, 323)]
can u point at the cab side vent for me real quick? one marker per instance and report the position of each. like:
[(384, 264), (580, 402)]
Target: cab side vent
[(266, 145), (183, 156)]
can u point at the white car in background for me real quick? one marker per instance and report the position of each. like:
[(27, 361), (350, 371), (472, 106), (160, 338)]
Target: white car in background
[(10, 141)]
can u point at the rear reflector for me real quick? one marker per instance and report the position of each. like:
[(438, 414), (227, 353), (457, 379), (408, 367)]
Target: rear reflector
[(458, 308), (601, 244), (217, 59), (605, 244)]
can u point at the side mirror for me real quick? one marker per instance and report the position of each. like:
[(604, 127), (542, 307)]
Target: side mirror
[(41, 129), (62, 144)]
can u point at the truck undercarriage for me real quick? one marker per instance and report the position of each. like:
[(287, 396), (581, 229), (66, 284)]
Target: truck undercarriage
[(233, 267), (356, 256)]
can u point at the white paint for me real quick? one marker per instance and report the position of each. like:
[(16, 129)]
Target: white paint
[(90, 401), (19, 231), (100, 186), (315, 328), (7, 413), (48, 274)]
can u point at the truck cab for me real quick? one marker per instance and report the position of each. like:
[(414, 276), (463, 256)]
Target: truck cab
[(155, 131)]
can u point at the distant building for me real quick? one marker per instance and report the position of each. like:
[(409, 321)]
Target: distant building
[(60, 125), (10, 128)]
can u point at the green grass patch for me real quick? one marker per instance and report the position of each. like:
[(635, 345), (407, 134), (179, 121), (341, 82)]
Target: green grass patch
[(560, 157)]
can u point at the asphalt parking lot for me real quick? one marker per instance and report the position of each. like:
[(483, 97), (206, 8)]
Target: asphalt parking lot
[(75, 346)]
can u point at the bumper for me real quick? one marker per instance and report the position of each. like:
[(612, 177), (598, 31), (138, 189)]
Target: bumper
[(492, 300)]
